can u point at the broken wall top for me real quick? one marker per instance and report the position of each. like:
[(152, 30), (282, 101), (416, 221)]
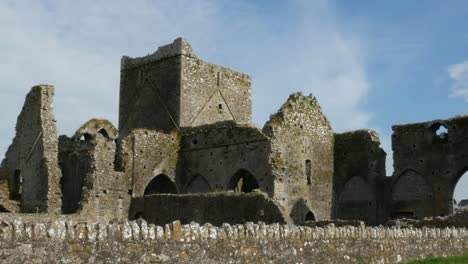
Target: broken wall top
[(179, 46)]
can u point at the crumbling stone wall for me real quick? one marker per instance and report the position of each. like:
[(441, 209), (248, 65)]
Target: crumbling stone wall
[(70, 241), (90, 185), (427, 166), (148, 154), (359, 167), (302, 159), (214, 208), (223, 154), (31, 161)]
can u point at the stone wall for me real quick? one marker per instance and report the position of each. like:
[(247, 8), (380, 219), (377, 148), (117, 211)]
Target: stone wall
[(90, 185), (70, 241), (359, 168), (172, 88), (31, 161), (212, 93), (428, 165), (150, 90), (214, 208), (301, 158), (220, 153), (148, 154)]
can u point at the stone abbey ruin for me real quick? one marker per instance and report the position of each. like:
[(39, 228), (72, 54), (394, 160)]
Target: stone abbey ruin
[(186, 150)]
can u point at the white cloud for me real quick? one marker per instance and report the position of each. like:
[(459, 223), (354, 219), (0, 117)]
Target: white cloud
[(77, 46), (458, 73)]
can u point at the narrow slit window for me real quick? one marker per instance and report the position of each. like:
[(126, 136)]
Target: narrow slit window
[(308, 171)]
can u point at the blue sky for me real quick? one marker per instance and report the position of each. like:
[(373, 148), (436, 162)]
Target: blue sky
[(371, 64)]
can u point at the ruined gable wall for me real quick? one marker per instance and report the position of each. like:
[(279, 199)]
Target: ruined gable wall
[(211, 93), (359, 164), (217, 152), (301, 135), (214, 208), (427, 167), (148, 153), (33, 155)]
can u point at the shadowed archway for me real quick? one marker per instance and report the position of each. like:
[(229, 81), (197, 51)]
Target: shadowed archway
[(300, 212), (412, 196), (160, 184), (242, 181), (198, 184)]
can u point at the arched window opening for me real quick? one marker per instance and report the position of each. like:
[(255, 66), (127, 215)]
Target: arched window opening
[(17, 185), (160, 184), (440, 131), (309, 216), (85, 137), (198, 184), (308, 171), (104, 133), (300, 212), (242, 181), (460, 195)]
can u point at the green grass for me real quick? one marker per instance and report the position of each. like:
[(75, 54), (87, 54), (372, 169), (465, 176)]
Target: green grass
[(449, 260)]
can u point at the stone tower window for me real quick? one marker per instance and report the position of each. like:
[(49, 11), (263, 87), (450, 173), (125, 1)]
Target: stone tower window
[(308, 171), (220, 106), (442, 132), (218, 77), (17, 184)]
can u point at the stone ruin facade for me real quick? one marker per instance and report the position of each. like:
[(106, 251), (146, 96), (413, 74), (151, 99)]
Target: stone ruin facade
[(186, 149)]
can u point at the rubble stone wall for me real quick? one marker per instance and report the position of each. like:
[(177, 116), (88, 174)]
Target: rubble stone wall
[(428, 163), (215, 208), (359, 167), (219, 153), (71, 241)]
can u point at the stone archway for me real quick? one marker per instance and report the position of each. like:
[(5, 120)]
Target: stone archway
[(300, 212), (459, 193), (242, 181), (160, 184), (412, 196), (356, 201), (198, 184)]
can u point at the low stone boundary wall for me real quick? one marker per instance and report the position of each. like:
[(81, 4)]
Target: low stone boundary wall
[(68, 241)]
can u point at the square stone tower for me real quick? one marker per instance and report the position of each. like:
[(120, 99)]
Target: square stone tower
[(172, 88)]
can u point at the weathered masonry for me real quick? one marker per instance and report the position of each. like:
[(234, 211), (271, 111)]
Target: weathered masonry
[(186, 149), (185, 146)]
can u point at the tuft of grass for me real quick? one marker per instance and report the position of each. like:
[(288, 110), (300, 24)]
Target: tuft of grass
[(448, 260)]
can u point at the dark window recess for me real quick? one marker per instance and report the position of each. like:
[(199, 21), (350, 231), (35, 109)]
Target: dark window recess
[(243, 181), (160, 184), (308, 171)]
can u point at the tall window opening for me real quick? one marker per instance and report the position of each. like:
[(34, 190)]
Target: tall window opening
[(308, 171), (17, 185)]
